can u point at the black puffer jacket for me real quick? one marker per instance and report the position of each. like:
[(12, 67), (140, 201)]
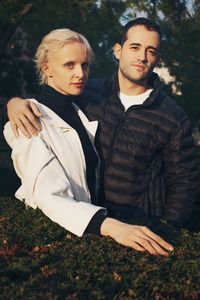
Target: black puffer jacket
[(147, 153)]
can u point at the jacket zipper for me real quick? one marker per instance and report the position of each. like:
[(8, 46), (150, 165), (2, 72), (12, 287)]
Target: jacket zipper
[(117, 130)]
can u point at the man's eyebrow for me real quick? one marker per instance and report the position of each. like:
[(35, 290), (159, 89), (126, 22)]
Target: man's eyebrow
[(135, 44), (149, 47), (152, 47)]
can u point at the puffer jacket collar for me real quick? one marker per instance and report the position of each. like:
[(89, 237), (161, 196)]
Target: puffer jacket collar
[(156, 95)]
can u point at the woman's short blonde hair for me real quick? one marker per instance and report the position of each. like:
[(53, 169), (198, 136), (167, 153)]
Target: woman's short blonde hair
[(54, 41)]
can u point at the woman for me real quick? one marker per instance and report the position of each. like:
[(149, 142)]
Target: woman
[(58, 167)]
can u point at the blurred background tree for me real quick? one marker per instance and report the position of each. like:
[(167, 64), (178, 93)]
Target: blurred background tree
[(23, 24)]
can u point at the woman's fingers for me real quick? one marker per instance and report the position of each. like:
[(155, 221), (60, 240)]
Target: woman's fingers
[(137, 237), (145, 244), (151, 242), (157, 239)]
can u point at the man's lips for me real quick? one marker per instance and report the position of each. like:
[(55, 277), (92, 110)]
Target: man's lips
[(140, 67)]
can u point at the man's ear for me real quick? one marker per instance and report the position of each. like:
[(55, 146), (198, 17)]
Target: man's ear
[(117, 50)]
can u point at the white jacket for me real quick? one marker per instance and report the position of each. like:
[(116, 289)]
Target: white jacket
[(52, 170)]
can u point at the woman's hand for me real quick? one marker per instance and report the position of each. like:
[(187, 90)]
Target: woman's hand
[(137, 237)]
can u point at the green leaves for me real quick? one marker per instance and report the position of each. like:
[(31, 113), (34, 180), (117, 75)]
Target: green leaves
[(40, 260)]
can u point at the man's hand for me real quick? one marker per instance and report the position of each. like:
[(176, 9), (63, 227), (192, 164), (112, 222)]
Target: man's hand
[(137, 237), (23, 115)]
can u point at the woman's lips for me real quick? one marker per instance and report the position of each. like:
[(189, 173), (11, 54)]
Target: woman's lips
[(78, 84)]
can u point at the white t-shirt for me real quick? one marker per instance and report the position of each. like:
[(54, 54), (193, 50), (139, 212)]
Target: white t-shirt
[(128, 101)]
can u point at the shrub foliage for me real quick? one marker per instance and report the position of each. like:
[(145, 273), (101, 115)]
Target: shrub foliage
[(41, 260)]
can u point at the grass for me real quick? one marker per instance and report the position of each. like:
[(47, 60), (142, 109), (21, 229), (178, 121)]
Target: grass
[(41, 260)]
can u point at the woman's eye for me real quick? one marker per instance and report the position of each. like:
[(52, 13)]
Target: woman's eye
[(85, 66), (69, 66)]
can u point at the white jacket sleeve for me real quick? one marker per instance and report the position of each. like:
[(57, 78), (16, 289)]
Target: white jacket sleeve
[(45, 184)]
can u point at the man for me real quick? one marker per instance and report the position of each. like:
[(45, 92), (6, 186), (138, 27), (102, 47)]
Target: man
[(144, 139)]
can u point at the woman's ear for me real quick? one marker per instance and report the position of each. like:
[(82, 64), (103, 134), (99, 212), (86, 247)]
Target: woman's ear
[(47, 69), (117, 50)]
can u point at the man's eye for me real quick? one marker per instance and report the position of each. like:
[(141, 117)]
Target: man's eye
[(152, 52), (134, 48)]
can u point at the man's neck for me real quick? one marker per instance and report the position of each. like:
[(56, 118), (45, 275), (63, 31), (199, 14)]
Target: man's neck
[(131, 88)]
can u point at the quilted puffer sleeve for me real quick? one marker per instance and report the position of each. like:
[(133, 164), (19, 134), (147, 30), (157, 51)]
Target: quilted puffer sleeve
[(181, 173)]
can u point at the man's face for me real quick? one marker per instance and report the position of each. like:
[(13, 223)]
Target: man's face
[(67, 69), (138, 55)]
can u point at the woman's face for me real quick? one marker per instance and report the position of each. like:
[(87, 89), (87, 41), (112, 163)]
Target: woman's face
[(67, 69)]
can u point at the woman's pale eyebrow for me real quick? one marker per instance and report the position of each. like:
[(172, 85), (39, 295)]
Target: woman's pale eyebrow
[(68, 63)]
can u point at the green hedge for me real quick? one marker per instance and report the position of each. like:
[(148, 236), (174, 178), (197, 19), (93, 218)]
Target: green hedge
[(40, 260)]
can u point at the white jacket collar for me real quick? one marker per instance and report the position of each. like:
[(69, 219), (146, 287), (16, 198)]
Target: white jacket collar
[(52, 118)]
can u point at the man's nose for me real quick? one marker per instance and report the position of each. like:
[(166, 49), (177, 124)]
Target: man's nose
[(142, 55)]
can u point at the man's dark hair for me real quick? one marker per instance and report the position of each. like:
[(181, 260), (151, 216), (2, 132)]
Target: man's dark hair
[(149, 24)]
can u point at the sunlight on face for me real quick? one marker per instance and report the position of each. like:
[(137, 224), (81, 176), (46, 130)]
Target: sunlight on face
[(138, 56), (67, 69)]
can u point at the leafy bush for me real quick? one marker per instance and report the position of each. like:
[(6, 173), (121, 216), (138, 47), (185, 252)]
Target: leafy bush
[(41, 260)]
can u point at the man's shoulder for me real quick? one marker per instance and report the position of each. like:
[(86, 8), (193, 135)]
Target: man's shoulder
[(95, 89), (173, 109), (97, 84), (163, 102)]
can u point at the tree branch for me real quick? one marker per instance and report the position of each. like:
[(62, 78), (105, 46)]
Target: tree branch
[(9, 29)]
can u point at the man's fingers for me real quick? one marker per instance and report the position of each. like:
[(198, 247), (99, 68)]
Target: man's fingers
[(24, 114), (15, 129), (23, 129), (35, 110), (32, 116), (30, 123)]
